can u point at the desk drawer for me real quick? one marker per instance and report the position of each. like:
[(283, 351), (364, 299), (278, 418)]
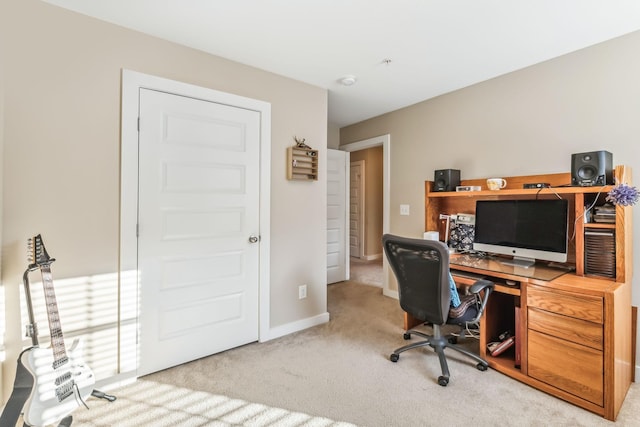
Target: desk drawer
[(568, 328), (584, 307), (574, 368)]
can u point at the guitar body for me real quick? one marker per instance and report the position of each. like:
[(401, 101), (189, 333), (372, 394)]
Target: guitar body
[(56, 391)]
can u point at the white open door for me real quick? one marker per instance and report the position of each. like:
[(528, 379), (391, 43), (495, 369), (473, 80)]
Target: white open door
[(337, 214)]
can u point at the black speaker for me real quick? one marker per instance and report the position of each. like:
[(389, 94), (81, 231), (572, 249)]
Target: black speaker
[(446, 179), (592, 168)]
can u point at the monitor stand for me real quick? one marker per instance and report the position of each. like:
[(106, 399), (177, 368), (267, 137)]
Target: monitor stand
[(517, 261)]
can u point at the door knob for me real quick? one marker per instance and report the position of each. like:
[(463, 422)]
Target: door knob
[(253, 239)]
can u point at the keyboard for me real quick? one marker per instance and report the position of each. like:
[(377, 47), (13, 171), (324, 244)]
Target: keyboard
[(467, 274)]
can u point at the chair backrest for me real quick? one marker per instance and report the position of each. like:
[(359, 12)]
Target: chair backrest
[(421, 268)]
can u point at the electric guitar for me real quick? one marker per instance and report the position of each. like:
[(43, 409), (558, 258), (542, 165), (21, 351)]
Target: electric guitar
[(61, 380)]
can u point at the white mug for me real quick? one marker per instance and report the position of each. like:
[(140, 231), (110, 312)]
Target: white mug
[(496, 183)]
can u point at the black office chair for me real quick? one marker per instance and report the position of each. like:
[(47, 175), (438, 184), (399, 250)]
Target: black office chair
[(421, 268)]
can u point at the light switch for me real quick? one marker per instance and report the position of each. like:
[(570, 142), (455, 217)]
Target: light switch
[(404, 209)]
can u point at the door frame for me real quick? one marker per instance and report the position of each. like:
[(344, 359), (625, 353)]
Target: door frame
[(385, 142), (132, 81)]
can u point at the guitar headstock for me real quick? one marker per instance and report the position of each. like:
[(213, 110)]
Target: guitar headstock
[(38, 255)]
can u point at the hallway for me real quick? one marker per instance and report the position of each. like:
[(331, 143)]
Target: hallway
[(366, 272)]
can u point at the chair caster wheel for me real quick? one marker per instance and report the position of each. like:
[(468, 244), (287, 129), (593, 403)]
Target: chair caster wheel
[(481, 367), (394, 357), (407, 336), (443, 381), (453, 340)]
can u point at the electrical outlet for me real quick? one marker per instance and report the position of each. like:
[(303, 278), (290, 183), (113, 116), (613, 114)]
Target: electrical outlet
[(404, 209), (302, 291)]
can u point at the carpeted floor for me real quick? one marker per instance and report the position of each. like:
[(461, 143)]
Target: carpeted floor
[(341, 371), (366, 272), (151, 404)]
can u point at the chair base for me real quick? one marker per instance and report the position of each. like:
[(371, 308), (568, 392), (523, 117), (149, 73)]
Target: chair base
[(438, 342)]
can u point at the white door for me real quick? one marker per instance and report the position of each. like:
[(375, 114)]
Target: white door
[(198, 216), (356, 209), (337, 202)]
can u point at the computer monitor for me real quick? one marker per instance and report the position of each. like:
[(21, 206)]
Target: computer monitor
[(528, 230)]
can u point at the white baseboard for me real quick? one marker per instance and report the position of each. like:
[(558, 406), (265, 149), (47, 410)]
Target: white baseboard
[(391, 294), (372, 257), (116, 381), (289, 328)]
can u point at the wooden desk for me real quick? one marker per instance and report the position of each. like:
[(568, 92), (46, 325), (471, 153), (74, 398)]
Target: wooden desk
[(573, 329), (574, 335)]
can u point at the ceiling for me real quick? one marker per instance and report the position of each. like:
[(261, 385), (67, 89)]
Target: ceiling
[(400, 51)]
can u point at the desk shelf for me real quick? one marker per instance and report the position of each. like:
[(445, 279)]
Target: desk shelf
[(519, 193), (600, 225), (507, 290), (503, 363)]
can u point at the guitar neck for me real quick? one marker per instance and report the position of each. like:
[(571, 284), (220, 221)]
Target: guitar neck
[(32, 327), (55, 328)]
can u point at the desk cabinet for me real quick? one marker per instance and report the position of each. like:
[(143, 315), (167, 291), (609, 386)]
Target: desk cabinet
[(565, 342), (566, 365), (573, 330)]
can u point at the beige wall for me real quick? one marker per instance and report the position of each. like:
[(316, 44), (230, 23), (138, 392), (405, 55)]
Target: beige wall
[(526, 122), (372, 200), (61, 139), (333, 136)]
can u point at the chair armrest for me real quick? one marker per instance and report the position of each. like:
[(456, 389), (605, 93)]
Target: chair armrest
[(476, 288), (480, 285)]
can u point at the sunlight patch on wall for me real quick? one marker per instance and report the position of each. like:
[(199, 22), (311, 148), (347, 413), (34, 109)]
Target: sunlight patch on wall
[(94, 310)]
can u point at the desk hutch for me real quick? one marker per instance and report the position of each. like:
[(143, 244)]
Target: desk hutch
[(574, 333)]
